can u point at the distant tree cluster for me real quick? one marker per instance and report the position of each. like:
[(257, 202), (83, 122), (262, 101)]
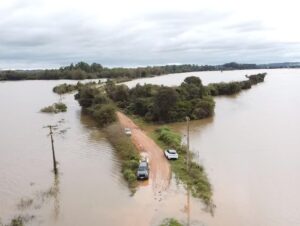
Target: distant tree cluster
[(84, 70), (222, 88)]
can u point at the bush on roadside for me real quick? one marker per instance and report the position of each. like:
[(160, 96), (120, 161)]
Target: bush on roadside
[(104, 114), (126, 152)]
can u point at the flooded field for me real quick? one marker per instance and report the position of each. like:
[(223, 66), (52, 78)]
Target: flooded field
[(250, 150)]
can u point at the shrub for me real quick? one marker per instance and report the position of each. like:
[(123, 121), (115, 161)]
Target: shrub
[(171, 222), (104, 114), (168, 137), (55, 108), (17, 221), (65, 88), (61, 107)]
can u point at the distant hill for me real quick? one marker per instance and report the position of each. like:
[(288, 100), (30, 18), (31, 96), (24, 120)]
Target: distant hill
[(281, 65)]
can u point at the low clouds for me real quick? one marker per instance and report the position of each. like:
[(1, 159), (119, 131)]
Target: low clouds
[(44, 33)]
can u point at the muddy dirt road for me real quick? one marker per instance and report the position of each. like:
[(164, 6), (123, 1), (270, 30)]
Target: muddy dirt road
[(160, 172)]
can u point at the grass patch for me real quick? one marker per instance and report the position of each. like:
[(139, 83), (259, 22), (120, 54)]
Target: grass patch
[(55, 108), (195, 178), (171, 222), (126, 151)]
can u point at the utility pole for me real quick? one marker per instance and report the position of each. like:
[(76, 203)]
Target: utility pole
[(52, 145), (188, 204), (187, 142)]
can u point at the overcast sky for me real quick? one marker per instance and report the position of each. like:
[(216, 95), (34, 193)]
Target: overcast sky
[(52, 33)]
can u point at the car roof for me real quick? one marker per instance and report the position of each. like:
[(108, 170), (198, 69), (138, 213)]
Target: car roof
[(171, 151)]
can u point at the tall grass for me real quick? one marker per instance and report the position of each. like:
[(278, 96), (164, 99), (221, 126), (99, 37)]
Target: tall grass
[(126, 151), (193, 177)]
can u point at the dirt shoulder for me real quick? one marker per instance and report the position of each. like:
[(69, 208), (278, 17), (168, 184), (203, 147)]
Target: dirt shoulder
[(160, 171)]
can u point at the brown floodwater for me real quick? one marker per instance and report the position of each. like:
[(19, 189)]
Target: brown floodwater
[(250, 150)]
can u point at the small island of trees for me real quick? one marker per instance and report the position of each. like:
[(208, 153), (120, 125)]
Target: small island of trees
[(159, 104)]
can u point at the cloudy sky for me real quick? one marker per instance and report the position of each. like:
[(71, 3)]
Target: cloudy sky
[(52, 33)]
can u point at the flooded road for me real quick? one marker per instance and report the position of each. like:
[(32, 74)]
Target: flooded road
[(250, 150), (90, 189)]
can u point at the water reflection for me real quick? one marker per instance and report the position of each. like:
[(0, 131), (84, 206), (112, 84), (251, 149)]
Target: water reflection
[(56, 197)]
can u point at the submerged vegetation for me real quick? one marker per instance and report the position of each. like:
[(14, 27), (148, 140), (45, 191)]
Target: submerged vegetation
[(55, 108), (126, 151), (222, 88), (65, 88), (171, 222), (68, 88), (193, 177), (18, 221)]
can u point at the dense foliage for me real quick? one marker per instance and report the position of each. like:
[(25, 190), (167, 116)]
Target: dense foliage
[(162, 103), (55, 108), (94, 101), (194, 177), (65, 88), (68, 88), (84, 70), (158, 103), (223, 88)]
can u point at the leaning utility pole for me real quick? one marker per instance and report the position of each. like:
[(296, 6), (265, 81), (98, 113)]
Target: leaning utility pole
[(52, 144)]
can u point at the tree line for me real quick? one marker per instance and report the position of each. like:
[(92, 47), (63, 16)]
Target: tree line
[(83, 70)]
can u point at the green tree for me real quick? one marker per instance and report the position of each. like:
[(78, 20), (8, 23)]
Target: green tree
[(164, 101)]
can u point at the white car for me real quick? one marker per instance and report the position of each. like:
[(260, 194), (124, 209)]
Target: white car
[(171, 154), (127, 131)]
